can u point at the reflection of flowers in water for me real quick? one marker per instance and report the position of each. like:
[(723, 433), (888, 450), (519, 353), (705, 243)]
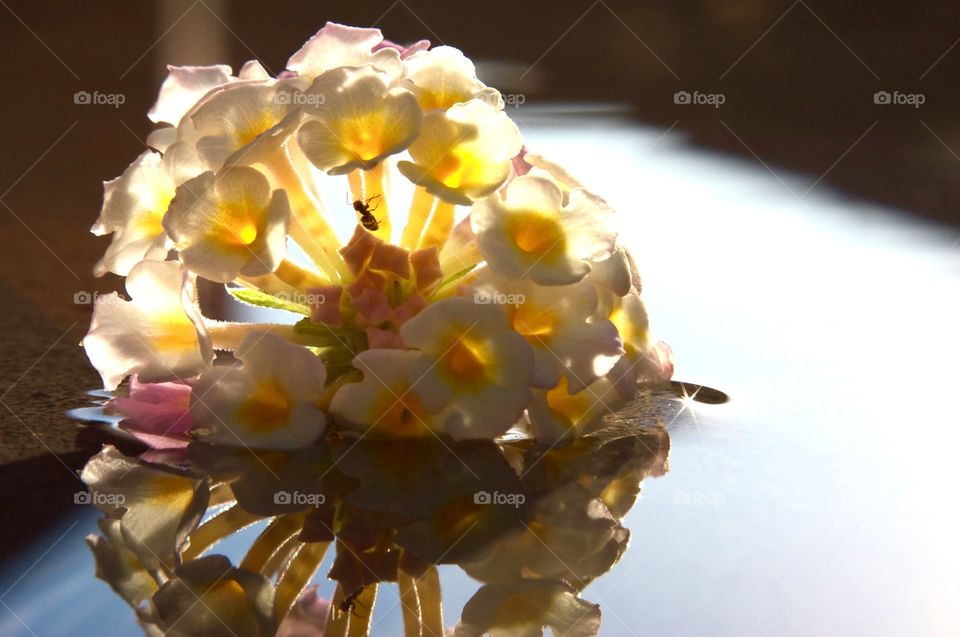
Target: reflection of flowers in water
[(442, 397), (391, 511), (496, 296)]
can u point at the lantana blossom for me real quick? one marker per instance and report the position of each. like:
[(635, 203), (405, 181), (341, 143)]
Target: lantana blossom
[(531, 232), (157, 334), (395, 322), (473, 335), (267, 402)]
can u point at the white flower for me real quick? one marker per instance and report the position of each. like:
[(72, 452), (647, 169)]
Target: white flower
[(229, 224), (183, 87), (133, 207), (384, 404), (157, 506), (444, 76), (471, 361), (464, 152), (356, 120), (558, 322), (158, 334), (558, 413), (229, 125), (336, 45), (270, 402), (184, 90), (531, 233)]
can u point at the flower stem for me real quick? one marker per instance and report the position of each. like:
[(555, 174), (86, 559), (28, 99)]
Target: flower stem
[(410, 605), (362, 612), (431, 609), (270, 540), (420, 208), (441, 225), (337, 621), (269, 283), (298, 277), (308, 227), (228, 336), (297, 575), (375, 185), (220, 526)]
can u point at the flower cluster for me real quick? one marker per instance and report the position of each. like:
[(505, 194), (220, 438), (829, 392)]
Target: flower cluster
[(463, 287)]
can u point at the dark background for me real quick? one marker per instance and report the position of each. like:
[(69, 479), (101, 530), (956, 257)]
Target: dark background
[(798, 80)]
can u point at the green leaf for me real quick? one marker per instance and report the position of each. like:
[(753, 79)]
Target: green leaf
[(263, 299), (453, 278)]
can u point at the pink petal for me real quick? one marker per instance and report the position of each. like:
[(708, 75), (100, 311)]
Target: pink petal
[(405, 51), (358, 250), (372, 304), (520, 165), (426, 267), (327, 312), (158, 413), (409, 308), (390, 258)]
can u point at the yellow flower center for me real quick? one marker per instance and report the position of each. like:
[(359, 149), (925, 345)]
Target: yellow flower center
[(179, 333), (632, 334), (571, 407), (253, 127), (267, 409), (150, 223), (236, 225), (363, 135), (537, 234), (532, 322), (430, 100), (402, 417), (464, 362), (170, 491), (449, 170), (247, 233)]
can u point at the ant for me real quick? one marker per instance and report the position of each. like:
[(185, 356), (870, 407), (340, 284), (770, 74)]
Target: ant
[(367, 220), (348, 603)]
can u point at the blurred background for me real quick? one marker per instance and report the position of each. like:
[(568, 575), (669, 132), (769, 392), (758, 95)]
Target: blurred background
[(765, 147)]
